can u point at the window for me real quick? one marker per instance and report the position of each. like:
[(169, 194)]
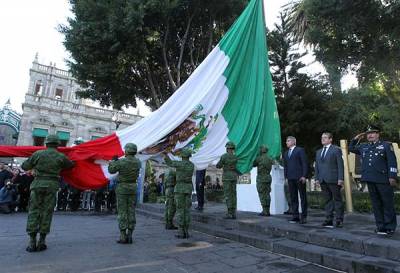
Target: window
[(59, 93), (38, 88), (38, 141), (39, 136)]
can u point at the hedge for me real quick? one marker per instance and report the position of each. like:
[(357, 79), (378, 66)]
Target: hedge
[(361, 201)]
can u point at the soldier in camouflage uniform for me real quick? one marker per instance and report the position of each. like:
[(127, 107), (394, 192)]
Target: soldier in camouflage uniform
[(183, 190), (47, 165), (228, 163), (128, 171), (264, 165), (170, 206)]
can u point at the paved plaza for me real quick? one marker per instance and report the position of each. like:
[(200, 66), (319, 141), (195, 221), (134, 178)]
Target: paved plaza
[(86, 243)]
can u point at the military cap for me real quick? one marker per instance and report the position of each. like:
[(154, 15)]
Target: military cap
[(130, 148), (186, 153), (230, 145), (372, 129), (52, 139)]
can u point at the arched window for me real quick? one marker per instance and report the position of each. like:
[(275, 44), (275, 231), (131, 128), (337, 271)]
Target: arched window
[(59, 93), (38, 88)]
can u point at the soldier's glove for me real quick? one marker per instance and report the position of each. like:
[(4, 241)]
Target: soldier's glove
[(115, 158)]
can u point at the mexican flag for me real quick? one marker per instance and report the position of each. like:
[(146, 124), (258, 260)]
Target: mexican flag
[(229, 97)]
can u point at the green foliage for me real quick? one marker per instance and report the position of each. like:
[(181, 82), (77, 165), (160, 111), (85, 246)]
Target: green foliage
[(124, 50), (308, 105), (303, 101), (361, 35)]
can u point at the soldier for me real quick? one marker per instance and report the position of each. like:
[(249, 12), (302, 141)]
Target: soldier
[(264, 165), (128, 171), (183, 190), (170, 206), (228, 163), (47, 165), (379, 171)]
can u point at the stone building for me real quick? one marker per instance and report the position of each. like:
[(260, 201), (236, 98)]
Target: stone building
[(9, 127), (52, 107)]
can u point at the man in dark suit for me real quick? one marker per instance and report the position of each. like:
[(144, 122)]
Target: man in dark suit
[(295, 164), (379, 171), (200, 181), (329, 173)]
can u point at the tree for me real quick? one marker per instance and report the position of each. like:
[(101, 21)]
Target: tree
[(124, 50), (303, 101), (361, 35)]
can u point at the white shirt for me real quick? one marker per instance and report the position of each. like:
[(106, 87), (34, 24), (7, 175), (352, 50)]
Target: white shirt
[(291, 151), (326, 150)]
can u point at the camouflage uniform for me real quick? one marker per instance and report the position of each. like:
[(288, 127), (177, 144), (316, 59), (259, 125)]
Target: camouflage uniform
[(183, 191), (170, 206), (264, 165), (47, 165), (228, 163), (128, 171)]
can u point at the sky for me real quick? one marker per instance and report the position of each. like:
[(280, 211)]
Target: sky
[(29, 27)]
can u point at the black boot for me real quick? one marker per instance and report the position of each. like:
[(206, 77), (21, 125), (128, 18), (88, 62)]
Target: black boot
[(181, 234), (170, 226), (122, 237), (129, 239), (42, 242), (32, 243), (186, 233), (265, 212)]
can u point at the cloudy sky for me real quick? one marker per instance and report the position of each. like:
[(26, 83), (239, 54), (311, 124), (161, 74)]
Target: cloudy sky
[(29, 27)]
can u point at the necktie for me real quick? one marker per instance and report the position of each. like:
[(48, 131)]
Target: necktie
[(323, 153), (290, 152)]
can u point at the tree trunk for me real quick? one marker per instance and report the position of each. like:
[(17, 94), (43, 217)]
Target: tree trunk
[(164, 53), (152, 87), (182, 49)]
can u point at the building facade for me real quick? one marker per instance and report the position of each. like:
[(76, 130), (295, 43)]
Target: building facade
[(52, 107)]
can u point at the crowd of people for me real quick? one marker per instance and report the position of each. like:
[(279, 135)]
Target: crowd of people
[(14, 189)]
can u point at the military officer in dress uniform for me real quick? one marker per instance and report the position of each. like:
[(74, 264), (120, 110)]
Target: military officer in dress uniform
[(379, 171)]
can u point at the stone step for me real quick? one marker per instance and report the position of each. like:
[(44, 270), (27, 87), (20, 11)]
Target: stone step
[(282, 243), (359, 242)]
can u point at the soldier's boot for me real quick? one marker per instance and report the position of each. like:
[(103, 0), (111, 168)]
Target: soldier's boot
[(32, 243), (233, 213), (171, 225), (42, 242), (181, 234), (129, 239), (186, 231), (122, 237), (228, 214), (265, 212)]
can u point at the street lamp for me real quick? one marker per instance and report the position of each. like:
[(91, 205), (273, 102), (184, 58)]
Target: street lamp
[(116, 118)]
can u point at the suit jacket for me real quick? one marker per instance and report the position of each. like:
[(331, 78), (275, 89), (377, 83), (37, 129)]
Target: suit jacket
[(295, 166), (330, 168)]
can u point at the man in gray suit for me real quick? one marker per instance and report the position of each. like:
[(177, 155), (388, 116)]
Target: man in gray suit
[(330, 175)]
